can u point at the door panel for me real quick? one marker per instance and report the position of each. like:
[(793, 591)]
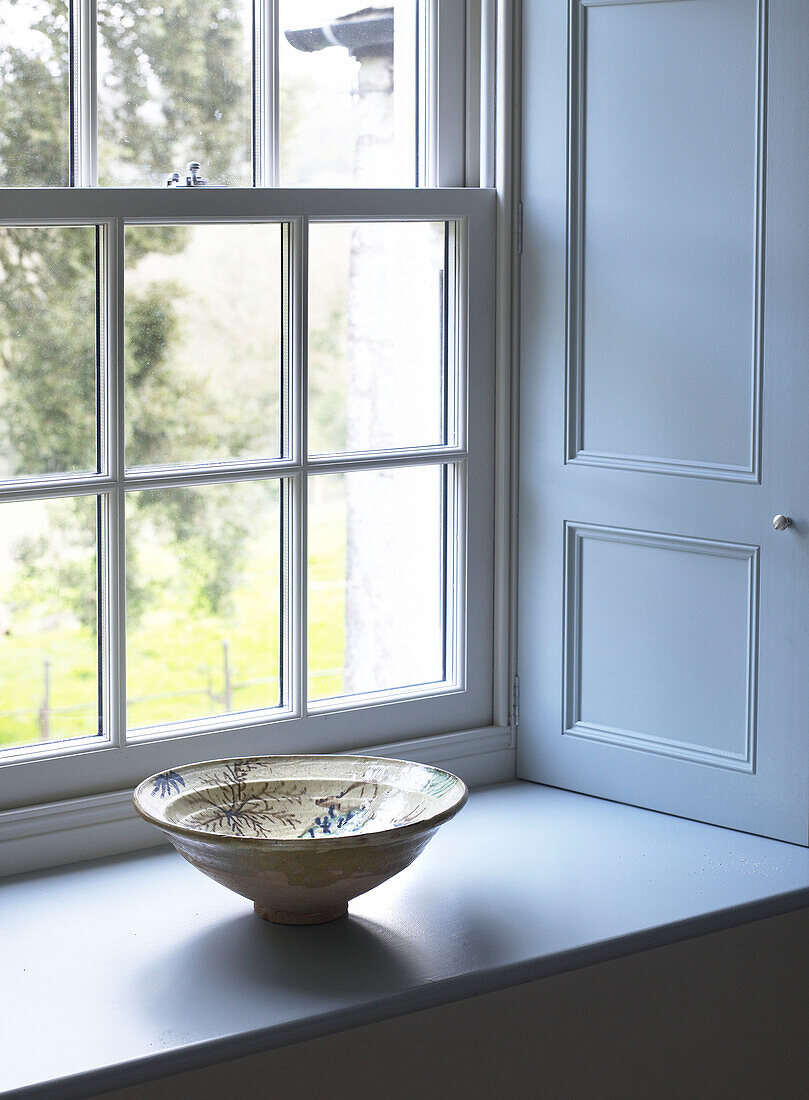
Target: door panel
[(664, 624), (664, 206), (660, 639)]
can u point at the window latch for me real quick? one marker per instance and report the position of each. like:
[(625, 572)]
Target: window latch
[(193, 179)]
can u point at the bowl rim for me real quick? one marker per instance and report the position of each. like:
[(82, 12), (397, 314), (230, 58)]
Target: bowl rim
[(347, 840)]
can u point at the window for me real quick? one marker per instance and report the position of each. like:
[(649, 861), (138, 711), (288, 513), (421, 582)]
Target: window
[(246, 425), (301, 93)]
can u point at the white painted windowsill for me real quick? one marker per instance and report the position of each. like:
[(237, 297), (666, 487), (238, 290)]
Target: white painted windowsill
[(125, 970)]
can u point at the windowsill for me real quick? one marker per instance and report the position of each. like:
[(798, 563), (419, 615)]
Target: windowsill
[(124, 970)]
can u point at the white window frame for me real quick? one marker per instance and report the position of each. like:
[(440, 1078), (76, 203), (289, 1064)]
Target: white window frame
[(328, 726), (444, 114), (468, 724)]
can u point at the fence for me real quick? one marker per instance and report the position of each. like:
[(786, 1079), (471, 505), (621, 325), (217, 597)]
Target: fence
[(220, 698)]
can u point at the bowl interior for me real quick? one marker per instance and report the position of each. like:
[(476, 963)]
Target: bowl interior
[(299, 798)]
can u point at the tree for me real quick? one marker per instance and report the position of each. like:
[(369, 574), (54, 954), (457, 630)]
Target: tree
[(172, 74), (35, 74), (175, 87)]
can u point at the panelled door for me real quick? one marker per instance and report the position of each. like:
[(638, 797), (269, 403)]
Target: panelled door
[(664, 624)]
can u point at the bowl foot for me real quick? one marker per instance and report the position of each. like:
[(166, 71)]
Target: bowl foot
[(288, 916)]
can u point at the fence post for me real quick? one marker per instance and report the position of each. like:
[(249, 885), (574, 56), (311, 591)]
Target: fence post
[(45, 706)]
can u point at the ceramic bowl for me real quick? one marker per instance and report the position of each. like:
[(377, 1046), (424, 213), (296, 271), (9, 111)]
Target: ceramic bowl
[(300, 836)]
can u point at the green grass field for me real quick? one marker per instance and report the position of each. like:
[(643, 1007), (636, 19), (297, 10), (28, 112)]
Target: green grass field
[(176, 660)]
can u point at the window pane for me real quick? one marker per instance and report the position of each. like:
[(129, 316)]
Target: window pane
[(49, 687), (376, 335), (348, 94), (376, 568), (174, 85), (47, 350), (203, 343), (34, 77), (203, 607)]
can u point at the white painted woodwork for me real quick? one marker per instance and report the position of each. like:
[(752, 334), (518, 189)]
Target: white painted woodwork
[(664, 624)]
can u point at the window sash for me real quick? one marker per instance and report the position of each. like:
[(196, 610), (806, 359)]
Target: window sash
[(441, 126), (66, 769)]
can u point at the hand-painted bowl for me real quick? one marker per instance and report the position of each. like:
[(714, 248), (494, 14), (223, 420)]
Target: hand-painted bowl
[(300, 836)]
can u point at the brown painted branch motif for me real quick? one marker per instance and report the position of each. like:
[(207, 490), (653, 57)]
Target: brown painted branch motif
[(246, 810)]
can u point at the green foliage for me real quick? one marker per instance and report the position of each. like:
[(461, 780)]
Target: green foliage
[(188, 60), (47, 349), (151, 384), (209, 529), (34, 76), (175, 87), (58, 566)]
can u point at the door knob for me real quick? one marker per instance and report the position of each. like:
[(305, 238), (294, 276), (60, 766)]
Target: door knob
[(780, 523)]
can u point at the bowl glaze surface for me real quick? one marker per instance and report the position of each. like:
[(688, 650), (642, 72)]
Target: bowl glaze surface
[(300, 836)]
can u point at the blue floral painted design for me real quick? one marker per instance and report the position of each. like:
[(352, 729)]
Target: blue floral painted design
[(331, 823), (439, 783), (168, 783)]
